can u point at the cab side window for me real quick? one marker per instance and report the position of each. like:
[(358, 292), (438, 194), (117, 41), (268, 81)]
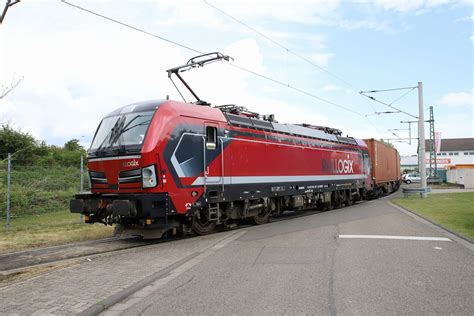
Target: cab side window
[(211, 137)]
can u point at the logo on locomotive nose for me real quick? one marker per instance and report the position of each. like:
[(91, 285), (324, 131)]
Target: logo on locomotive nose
[(343, 166), (131, 163)]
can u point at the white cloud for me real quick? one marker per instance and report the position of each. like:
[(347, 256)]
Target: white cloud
[(471, 37), (330, 87), (466, 2), (410, 5), (321, 59), (311, 12), (317, 41), (465, 18), (457, 99), (191, 11), (269, 89), (75, 77)]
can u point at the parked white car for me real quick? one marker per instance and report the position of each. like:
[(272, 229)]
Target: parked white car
[(412, 177)]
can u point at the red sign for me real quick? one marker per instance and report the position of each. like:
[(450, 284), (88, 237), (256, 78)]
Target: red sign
[(441, 161)]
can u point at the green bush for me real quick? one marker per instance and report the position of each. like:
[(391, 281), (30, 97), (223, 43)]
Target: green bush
[(27, 151), (43, 178), (39, 190)]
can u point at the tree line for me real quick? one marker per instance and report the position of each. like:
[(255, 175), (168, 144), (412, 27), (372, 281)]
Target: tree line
[(28, 151)]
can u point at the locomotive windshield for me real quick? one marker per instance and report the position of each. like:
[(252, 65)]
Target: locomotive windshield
[(121, 132)]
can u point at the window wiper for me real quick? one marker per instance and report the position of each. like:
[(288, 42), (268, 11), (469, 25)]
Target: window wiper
[(117, 133), (127, 127), (111, 135), (139, 124)]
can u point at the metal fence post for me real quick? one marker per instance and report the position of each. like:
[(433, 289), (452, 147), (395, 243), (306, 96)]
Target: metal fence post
[(81, 219), (82, 173), (8, 190)]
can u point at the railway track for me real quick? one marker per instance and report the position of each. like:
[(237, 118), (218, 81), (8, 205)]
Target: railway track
[(24, 260), (39, 256)]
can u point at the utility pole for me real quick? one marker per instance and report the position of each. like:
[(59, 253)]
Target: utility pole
[(433, 162), (421, 128), (421, 140)]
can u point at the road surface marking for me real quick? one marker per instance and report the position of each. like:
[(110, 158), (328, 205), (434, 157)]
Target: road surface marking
[(395, 237)]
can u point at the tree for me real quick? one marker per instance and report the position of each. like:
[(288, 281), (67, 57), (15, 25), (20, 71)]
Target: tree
[(7, 5), (73, 145), (386, 142), (6, 89), (12, 141)]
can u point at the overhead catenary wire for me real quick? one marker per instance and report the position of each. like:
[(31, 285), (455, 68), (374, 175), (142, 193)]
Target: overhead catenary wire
[(385, 90), (199, 52), (403, 95), (289, 51), (131, 27), (384, 112), (390, 104)]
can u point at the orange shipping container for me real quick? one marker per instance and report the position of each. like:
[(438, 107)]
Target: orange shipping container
[(385, 161)]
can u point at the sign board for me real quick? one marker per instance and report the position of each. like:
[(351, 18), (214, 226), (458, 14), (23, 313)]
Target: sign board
[(437, 142), (441, 161)]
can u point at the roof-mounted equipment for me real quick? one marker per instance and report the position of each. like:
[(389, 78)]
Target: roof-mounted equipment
[(196, 62), (242, 111), (328, 130)]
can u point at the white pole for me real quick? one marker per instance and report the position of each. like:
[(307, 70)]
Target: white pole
[(421, 139), (8, 189)]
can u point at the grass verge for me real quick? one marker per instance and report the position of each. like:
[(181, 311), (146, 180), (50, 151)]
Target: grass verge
[(454, 211), (48, 229)]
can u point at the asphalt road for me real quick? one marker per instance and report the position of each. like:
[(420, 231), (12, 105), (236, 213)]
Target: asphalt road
[(302, 266)]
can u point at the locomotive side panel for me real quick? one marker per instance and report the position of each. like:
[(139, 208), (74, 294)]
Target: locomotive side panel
[(265, 164)]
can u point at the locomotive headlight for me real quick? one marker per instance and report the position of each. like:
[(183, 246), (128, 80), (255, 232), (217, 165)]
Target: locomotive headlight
[(149, 177)]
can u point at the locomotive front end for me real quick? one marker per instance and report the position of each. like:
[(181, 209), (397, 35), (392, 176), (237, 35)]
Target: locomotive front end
[(123, 171)]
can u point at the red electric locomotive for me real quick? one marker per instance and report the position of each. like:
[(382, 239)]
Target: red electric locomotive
[(163, 165)]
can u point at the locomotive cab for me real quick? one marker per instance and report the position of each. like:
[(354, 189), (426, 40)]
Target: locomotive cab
[(124, 170), (132, 184)]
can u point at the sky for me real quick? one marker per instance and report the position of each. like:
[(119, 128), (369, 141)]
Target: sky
[(76, 67)]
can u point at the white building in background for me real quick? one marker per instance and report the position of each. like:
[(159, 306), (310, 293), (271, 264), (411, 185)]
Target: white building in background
[(455, 161), (453, 151)]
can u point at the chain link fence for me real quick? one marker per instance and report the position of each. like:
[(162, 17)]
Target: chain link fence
[(37, 189)]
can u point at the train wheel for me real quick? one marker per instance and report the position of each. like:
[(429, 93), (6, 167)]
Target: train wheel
[(328, 206), (348, 201), (202, 225), (261, 218), (337, 200)]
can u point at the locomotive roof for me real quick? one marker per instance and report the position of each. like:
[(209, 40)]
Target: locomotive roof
[(287, 128), (245, 121), (142, 106)]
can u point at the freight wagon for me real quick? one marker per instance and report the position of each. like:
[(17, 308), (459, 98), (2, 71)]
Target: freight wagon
[(385, 167)]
